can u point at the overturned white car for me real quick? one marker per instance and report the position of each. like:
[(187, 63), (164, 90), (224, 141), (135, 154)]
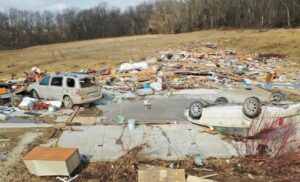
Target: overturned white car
[(248, 119)]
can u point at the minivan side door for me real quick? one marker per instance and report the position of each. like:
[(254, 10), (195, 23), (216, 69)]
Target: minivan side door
[(70, 86), (43, 86), (56, 88)]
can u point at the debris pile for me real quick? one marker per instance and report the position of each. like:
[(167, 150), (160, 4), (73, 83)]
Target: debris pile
[(200, 66), (182, 71)]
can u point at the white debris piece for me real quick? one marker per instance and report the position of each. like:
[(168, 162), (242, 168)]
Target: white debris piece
[(133, 66), (27, 101), (156, 86), (145, 91), (57, 104), (36, 70), (3, 117)]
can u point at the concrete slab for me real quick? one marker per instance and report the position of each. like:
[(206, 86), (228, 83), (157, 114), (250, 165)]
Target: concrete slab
[(166, 142), (163, 108), (26, 125), (14, 122), (172, 108)]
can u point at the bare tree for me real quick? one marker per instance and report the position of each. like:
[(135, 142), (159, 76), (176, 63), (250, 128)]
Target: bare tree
[(19, 28), (286, 3)]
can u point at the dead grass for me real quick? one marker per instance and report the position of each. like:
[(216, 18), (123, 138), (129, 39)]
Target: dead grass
[(74, 56), (18, 171), (123, 169), (13, 135)]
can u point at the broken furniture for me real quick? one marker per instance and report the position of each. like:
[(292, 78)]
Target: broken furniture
[(44, 161)]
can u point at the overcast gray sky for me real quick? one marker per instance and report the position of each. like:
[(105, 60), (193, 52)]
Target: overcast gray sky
[(57, 5)]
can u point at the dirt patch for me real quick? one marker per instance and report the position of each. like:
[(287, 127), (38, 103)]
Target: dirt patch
[(15, 155), (294, 97), (13, 137), (49, 119), (90, 112), (22, 141)]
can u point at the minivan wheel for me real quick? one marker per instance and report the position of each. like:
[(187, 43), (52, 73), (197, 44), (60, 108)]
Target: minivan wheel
[(35, 94), (68, 103), (195, 110), (252, 107)]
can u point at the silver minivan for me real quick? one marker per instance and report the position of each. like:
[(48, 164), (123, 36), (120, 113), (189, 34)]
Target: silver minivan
[(70, 88)]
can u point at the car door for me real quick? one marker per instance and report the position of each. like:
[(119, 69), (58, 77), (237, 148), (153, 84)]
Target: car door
[(43, 86), (56, 88), (70, 87)]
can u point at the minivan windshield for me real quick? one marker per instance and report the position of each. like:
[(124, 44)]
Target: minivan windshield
[(87, 82)]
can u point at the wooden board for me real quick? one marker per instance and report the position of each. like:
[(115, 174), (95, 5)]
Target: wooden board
[(197, 179), (84, 120), (50, 154), (162, 175)]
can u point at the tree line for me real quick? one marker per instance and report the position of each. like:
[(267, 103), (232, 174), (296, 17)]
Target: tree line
[(20, 28)]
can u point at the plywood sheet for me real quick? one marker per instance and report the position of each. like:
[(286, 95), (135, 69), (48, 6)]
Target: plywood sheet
[(50, 154), (162, 175)]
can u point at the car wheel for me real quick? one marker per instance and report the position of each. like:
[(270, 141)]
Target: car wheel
[(68, 103), (221, 101), (2, 102), (278, 97), (252, 107), (195, 110), (35, 94), (86, 106)]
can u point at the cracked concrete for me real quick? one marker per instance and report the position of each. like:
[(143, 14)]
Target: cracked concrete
[(172, 108), (166, 142)]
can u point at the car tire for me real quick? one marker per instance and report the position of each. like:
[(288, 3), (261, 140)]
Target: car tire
[(2, 102), (86, 106), (221, 101), (277, 97), (35, 94), (195, 110), (68, 103), (252, 107)]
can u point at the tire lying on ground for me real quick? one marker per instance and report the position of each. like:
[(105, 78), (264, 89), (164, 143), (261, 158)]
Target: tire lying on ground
[(221, 101), (278, 97), (252, 107), (195, 110)]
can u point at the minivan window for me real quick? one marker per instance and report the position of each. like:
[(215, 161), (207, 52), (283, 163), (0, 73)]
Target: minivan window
[(45, 81), (70, 83), (57, 81), (87, 82)]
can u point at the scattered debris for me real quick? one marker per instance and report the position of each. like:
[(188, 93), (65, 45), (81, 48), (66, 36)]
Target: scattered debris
[(180, 71), (66, 179)]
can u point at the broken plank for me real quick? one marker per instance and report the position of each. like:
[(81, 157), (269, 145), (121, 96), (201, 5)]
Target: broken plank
[(162, 175), (197, 179), (4, 140)]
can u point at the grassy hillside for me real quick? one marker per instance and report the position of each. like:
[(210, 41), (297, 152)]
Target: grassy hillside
[(113, 51)]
